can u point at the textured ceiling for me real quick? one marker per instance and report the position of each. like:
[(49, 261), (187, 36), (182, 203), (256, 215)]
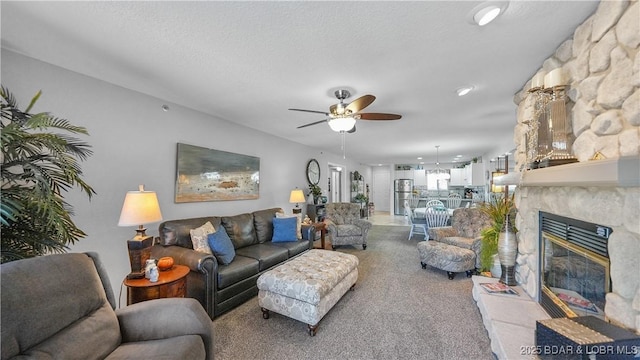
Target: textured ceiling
[(248, 62)]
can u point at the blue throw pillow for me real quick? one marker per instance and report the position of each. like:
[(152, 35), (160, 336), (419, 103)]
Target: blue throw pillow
[(285, 229), (221, 246)]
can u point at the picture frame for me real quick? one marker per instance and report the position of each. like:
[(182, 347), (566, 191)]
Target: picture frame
[(204, 174)]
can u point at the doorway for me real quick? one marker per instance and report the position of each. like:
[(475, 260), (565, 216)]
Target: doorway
[(381, 194), (336, 181)]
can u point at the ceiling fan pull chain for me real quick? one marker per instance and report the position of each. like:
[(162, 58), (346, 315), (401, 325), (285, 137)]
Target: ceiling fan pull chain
[(343, 142)]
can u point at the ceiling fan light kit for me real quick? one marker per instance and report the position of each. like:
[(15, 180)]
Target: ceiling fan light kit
[(341, 124), (342, 117)]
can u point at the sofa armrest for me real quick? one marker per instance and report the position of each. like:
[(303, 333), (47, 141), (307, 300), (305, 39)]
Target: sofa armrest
[(202, 280), (308, 232), (196, 261), (166, 318), (437, 233)]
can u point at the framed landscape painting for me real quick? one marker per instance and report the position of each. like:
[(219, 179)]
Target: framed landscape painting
[(213, 175)]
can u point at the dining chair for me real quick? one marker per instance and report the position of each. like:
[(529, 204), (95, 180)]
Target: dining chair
[(413, 201), (437, 216), (453, 201), (418, 224), (436, 203)]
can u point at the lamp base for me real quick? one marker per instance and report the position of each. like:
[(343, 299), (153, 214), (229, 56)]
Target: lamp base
[(139, 252), (297, 210)]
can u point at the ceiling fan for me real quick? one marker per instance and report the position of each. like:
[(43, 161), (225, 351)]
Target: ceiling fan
[(342, 117)]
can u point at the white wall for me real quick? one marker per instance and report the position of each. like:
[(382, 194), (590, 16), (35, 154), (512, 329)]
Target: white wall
[(134, 142)]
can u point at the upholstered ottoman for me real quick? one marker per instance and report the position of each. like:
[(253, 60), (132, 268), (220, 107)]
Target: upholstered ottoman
[(449, 258), (306, 287)]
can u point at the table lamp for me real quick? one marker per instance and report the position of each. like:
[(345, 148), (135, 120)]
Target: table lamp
[(297, 196), (140, 207)]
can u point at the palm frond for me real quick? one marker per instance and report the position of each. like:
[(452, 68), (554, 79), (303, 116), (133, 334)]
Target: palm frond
[(38, 167)]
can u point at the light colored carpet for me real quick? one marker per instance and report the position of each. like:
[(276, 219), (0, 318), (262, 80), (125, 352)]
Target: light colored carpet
[(397, 311)]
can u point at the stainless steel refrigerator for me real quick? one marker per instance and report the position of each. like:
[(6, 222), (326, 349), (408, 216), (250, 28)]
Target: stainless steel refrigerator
[(401, 191)]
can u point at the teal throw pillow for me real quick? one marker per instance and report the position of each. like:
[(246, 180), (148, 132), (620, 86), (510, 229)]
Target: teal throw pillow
[(285, 229), (221, 246)]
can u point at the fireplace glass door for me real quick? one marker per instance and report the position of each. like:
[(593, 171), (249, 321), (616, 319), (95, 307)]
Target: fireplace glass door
[(574, 278)]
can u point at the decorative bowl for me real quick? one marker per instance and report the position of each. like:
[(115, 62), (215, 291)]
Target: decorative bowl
[(165, 263)]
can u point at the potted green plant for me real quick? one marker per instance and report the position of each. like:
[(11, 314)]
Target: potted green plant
[(497, 209), (38, 167), (315, 191), (363, 201)]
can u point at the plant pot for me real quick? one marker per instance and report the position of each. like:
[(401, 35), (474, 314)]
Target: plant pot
[(507, 251), (496, 269)]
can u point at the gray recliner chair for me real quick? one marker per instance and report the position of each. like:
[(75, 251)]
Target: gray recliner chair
[(62, 307), (344, 225)]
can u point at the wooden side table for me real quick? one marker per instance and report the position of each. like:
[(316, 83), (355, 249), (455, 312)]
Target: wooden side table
[(171, 283), (320, 226)]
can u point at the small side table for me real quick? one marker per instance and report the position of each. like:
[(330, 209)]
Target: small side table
[(171, 283), (320, 226)]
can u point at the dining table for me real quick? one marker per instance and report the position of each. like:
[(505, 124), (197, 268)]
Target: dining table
[(421, 212)]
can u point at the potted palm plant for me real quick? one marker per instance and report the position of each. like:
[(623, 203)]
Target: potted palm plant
[(38, 167), (497, 209)]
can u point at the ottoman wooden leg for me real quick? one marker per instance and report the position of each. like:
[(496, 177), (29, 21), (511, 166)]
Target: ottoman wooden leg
[(313, 329), (265, 313)]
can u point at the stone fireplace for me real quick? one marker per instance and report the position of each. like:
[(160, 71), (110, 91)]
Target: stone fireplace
[(601, 64), (595, 192)]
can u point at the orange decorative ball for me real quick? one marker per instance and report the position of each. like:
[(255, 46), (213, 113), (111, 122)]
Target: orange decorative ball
[(165, 263)]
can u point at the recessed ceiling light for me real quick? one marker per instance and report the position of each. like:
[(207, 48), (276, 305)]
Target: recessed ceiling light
[(486, 15), (486, 12), (464, 90), (419, 157)]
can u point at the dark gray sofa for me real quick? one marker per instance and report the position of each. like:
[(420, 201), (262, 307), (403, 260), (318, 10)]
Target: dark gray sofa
[(218, 287), (61, 306)]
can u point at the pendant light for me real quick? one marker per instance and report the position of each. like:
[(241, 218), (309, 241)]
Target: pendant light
[(440, 174)]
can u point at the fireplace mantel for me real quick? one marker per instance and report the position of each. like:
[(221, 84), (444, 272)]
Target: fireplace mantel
[(619, 172)]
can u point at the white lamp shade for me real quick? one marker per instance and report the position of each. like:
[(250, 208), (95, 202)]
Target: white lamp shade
[(140, 207), (342, 123), (297, 196)]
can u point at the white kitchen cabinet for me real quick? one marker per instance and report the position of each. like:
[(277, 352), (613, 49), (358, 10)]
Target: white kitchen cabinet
[(470, 175), (404, 174), (475, 174), (458, 177), (419, 177)]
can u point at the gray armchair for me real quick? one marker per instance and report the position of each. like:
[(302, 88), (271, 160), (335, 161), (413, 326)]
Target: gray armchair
[(344, 225), (62, 307), (465, 229)]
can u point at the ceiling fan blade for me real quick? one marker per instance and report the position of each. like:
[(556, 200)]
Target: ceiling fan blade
[(311, 111), (379, 116), (360, 103), (313, 123)]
